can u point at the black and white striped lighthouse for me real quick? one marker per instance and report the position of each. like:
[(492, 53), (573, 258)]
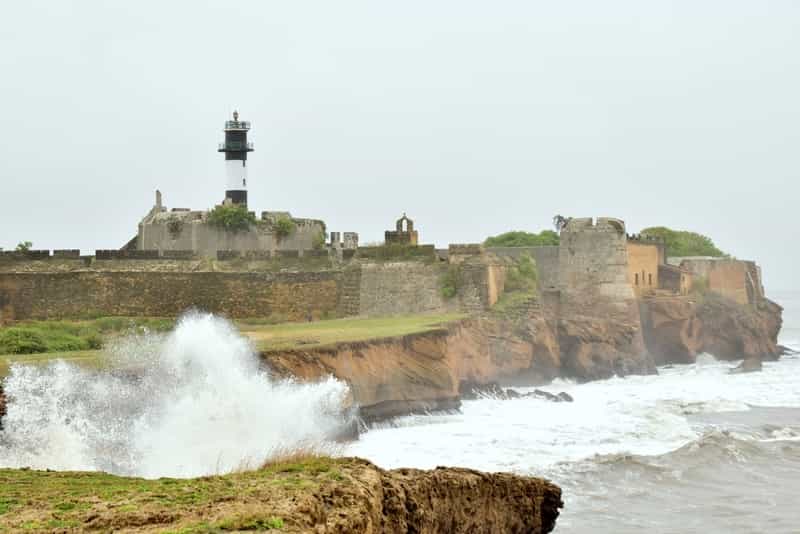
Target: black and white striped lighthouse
[(236, 148)]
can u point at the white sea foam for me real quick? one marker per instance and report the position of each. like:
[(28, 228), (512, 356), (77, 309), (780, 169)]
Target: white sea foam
[(646, 415), (195, 402)]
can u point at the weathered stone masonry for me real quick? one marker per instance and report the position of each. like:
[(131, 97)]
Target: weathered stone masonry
[(294, 296)]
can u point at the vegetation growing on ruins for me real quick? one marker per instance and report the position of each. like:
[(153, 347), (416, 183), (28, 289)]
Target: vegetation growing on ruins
[(450, 282), (523, 239), (682, 243), (174, 227), (522, 278), (231, 218), (283, 226), (319, 240)]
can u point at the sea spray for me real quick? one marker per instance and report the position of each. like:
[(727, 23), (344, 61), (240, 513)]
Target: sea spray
[(189, 403)]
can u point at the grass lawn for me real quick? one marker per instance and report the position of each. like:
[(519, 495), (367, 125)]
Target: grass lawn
[(325, 333), (263, 499), (67, 336)]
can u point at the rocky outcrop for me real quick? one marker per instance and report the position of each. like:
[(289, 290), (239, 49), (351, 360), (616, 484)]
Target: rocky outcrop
[(598, 342), (750, 365), (319, 495), (677, 329), (463, 500), (387, 377), (429, 371)]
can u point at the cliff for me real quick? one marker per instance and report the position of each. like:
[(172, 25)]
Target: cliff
[(677, 329), (531, 345), (320, 495), (425, 372)]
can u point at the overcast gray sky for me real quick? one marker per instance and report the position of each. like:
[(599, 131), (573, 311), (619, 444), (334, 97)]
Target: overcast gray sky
[(475, 117)]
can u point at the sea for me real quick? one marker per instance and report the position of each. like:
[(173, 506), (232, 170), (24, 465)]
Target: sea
[(693, 449)]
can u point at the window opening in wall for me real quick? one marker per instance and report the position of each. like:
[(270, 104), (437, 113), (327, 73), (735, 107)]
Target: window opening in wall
[(636, 279), (650, 279)]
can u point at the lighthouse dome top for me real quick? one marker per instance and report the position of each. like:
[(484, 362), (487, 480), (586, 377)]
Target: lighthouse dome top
[(236, 124)]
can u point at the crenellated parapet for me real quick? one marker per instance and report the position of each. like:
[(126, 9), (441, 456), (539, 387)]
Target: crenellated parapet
[(593, 260)]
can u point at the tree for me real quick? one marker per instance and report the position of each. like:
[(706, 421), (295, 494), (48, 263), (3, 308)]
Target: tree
[(523, 239), (231, 218), (683, 243), (24, 246)]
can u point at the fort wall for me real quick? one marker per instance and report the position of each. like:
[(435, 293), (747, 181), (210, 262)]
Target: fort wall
[(643, 261), (190, 230), (57, 295), (240, 285), (394, 288), (546, 259), (593, 260)]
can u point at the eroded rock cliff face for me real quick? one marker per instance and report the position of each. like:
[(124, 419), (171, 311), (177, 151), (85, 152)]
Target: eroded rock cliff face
[(425, 372), (677, 329), (319, 495), (387, 377)]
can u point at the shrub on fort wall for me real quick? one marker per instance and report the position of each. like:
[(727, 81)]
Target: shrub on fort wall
[(283, 226), (174, 227), (231, 218), (319, 240), (522, 276), (523, 239), (682, 243), (450, 282)]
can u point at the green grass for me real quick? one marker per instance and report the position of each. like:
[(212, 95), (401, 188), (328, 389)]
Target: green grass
[(266, 335), (255, 500), (32, 337), (328, 333)]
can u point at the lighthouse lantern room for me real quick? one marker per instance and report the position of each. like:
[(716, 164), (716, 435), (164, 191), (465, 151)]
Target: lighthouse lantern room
[(236, 148)]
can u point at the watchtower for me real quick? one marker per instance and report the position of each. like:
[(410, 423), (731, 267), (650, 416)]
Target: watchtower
[(236, 148), (404, 233)]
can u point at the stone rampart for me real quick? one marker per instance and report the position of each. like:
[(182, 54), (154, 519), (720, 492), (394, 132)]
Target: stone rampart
[(593, 260), (546, 259), (241, 285), (190, 230), (394, 288), (290, 296)]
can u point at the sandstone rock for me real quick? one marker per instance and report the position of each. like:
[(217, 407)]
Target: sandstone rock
[(750, 365), (473, 390), (677, 329), (320, 495)]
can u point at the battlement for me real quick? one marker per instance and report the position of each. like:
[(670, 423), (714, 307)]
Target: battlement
[(646, 239), (397, 252), (465, 249), (588, 224)]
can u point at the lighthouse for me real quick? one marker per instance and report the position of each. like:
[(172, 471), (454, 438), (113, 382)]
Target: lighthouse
[(236, 148)]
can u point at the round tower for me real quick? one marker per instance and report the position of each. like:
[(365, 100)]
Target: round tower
[(236, 148)]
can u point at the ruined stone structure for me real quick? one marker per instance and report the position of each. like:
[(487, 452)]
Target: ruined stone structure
[(644, 258), (737, 280), (593, 260), (403, 234), (676, 280), (285, 286), (186, 230)]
